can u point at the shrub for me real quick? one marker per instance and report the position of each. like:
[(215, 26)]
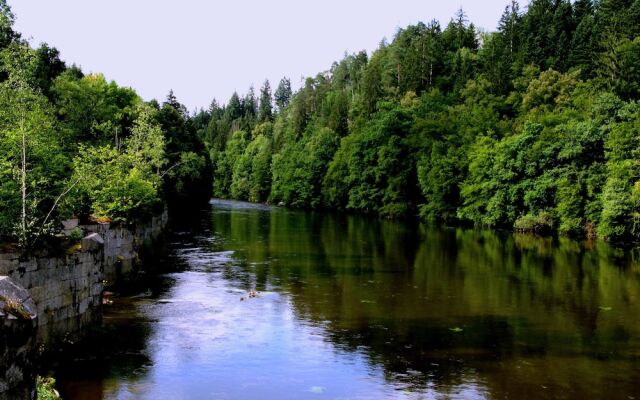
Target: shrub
[(540, 224)]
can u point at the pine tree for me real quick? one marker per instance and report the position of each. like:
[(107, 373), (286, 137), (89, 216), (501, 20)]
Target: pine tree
[(250, 104), (583, 45), (265, 112), (283, 93), (233, 110), (172, 101)]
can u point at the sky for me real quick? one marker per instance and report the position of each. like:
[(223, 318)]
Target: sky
[(209, 49)]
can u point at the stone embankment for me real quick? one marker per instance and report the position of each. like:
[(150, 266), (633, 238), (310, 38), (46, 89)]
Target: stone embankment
[(64, 292)]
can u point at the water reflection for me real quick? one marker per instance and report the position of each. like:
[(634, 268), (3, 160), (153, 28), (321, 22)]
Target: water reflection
[(352, 307), (519, 315)]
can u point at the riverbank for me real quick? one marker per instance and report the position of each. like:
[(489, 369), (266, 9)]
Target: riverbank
[(67, 288)]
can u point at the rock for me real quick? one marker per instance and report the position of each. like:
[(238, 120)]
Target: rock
[(15, 300), (70, 224), (92, 242)]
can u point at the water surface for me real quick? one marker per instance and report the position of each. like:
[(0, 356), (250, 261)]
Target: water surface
[(357, 308)]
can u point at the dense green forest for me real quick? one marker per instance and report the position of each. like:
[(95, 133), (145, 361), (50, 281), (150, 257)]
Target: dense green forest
[(534, 127), (76, 145)]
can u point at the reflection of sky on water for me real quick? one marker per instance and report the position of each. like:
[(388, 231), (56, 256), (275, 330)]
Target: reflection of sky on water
[(207, 343)]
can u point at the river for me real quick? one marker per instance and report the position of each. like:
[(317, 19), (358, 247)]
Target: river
[(349, 307)]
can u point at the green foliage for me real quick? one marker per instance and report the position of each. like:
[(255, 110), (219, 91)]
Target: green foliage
[(92, 109), (112, 186), (45, 388), (188, 171), (265, 112), (541, 223), (225, 164), (75, 144), (283, 93), (619, 219), (373, 168), (299, 168), (532, 127), (76, 234), (31, 161), (251, 177)]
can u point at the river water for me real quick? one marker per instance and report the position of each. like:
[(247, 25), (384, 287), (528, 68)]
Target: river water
[(350, 307)]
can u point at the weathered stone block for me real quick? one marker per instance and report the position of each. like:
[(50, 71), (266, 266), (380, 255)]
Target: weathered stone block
[(15, 300), (92, 242)]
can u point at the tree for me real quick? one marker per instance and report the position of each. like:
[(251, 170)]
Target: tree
[(173, 102), (233, 110), (31, 164), (7, 34), (621, 211), (250, 105), (283, 94), (226, 163), (146, 145), (92, 110), (112, 186), (265, 113), (49, 67), (618, 66), (189, 177)]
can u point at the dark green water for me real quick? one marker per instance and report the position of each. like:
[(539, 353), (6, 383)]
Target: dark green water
[(357, 308)]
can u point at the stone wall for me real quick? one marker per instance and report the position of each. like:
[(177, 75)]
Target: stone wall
[(65, 290), (69, 286), (62, 287), (122, 245)]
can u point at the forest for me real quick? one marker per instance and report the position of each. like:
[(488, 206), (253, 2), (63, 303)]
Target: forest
[(534, 127), (74, 144)]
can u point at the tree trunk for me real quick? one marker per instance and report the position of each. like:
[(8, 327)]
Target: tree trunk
[(23, 180)]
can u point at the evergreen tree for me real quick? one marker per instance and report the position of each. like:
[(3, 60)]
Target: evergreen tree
[(265, 113), (233, 109), (583, 43), (250, 104), (172, 101), (283, 93)]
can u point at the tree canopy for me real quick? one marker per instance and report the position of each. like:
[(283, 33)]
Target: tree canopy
[(531, 127)]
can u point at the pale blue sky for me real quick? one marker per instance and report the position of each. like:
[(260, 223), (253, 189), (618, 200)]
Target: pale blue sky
[(206, 49)]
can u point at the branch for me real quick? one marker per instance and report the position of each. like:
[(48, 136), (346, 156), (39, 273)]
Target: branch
[(173, 166), (55, 203)]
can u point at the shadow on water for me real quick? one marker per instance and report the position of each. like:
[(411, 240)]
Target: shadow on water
[(353, 307)]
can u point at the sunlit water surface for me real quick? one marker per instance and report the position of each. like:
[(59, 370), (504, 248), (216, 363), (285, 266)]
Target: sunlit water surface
[(357, 308)]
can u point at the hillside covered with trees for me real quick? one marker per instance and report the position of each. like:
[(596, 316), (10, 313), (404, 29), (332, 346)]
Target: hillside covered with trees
[(73, 144), (534, 127)]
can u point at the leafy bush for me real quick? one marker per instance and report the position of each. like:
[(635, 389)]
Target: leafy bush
[(45, 387), (540, 224)]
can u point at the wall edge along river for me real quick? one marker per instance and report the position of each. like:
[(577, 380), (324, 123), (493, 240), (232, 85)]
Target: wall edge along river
[(45, 297)]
